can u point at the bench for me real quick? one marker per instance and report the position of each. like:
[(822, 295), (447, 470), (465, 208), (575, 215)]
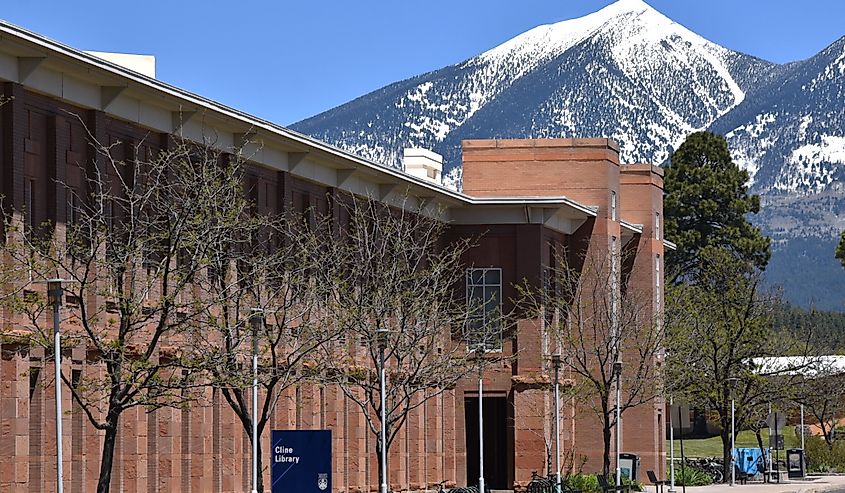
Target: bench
[(658, 484), (606, 487)]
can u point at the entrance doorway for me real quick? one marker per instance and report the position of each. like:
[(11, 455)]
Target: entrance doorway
[(496, 444)]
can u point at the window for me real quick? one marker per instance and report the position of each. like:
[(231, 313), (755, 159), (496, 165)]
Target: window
[(613, 214), (71, 209), (549, 290), (109, 213), (656, 225), (614, 259), (657, 276), (484, 309), (29, 205), (658, 316), (657, 271), (614, 283)]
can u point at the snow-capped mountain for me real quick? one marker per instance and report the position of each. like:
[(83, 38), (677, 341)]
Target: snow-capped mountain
[(632, 74), (790, 134), (626, 72), (790, 131)]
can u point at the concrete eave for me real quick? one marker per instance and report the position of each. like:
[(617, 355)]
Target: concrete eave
[(36, 54), (631, 228), (556, 213)]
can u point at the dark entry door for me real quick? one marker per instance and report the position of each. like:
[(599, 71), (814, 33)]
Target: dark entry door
[(496, 447)]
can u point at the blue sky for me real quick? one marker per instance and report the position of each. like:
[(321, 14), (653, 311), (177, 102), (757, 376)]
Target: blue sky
[(287, 60)]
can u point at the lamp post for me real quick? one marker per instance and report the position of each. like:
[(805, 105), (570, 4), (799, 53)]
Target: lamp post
[(556, 365), (381, 335), (671, 449), (256, 318), (802, 426), (55, 292), (617, 372), (732, 383), (480, 354)]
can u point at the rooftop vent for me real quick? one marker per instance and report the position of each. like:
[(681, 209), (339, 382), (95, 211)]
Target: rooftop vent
[(143, 64), (424, 164)]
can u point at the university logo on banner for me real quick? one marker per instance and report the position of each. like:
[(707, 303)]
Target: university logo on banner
[(301, 461)]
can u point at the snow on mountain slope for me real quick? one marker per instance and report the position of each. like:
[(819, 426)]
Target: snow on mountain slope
[(790, 132), (651, 81)]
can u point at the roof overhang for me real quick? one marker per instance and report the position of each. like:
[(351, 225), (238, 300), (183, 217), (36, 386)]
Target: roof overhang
[(629, 230), (52, 68), (808, 366), (557, 213)]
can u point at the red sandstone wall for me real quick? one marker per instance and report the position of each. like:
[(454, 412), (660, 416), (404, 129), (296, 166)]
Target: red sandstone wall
[(588, 171), (201, 448), (641, 187)]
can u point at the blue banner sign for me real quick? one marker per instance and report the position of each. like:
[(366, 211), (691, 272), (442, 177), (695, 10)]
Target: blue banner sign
[(301, 461)]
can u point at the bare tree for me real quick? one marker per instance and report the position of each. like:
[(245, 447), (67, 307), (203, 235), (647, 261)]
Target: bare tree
[(133, 242), (594, 321), (262, 268), (821, 390), (395, 277)]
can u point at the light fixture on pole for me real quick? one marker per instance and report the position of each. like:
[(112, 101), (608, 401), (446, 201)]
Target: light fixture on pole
[(732, 383), (556, 366), (55, 293), (381, 336), (256, 319), (617, 372)]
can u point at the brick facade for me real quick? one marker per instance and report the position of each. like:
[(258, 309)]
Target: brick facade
[(43, 142), (586, 170)]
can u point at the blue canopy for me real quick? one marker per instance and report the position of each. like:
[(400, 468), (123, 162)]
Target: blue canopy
[(746, 459)]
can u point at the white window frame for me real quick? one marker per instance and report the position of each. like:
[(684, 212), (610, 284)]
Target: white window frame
[(657, 276), (491, 344), (614, 206), (614, 285), (656, 225)]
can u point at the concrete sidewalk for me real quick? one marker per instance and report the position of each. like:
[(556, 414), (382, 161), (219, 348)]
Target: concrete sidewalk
[(811, 484)]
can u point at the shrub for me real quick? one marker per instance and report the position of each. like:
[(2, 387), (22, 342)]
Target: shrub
[(588, 483), (821, 458), (583, 482), (691, 476)]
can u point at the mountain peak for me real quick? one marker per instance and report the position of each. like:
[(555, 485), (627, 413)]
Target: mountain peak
[(548, 40), (629, 6)]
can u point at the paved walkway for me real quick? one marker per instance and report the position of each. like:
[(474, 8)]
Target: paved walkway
[(813, 484)]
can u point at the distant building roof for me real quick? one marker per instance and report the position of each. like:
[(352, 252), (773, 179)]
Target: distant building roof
[(808, 366)]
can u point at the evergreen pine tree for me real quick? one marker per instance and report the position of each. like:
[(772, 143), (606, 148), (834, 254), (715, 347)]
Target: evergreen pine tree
[(707, 205)]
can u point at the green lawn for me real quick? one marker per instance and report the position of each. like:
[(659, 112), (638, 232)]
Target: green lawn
[(712, 447)]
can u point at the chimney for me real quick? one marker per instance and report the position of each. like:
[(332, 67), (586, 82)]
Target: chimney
[(143, 64), (424, 164)]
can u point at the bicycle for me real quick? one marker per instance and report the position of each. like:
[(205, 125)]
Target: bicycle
[(541, 484), (441, 488), (710, 466)]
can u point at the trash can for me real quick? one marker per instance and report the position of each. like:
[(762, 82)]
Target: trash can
[(630, 466), (795, 463)]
